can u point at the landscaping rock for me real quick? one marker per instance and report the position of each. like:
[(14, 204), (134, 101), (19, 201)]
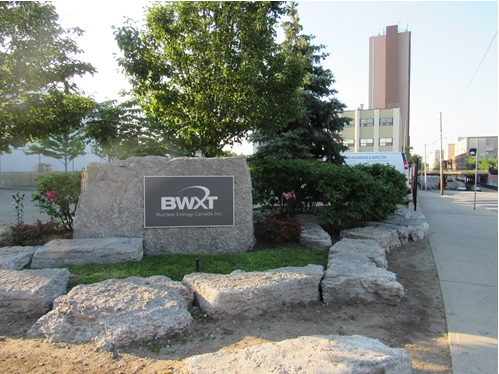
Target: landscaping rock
[(386, 238), (403, 232), (333, 354), (353, 276), (253, 293), (15, 258), (416, 215), (31, 292), (401, 212), (63, 252), (312, 235), (111, 204), (418, 227), (114, 313), (367, 247)]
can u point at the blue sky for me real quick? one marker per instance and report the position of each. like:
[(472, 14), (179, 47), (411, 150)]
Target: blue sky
[(449, 40)]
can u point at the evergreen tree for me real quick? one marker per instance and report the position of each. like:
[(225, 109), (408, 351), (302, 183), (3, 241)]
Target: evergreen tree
[(315, 133)]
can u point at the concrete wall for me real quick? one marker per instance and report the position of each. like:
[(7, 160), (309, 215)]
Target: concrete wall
[(18, 179)]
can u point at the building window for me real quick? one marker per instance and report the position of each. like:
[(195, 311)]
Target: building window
[(385, 141), (367, 122), (349, 142), (386, 121), (350, 123), (366, 142)]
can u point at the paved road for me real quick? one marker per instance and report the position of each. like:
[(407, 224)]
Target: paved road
[(465, 247), (7, 212)]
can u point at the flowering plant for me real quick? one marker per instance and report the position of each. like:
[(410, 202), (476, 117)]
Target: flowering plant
[(289, 195), (19, 206), (57, 195), (51, 194)]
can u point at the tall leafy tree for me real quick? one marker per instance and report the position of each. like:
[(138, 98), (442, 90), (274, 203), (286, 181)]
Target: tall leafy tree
[(315, 132), (63, 147), (210, 72), (120, 130), (37, 63)]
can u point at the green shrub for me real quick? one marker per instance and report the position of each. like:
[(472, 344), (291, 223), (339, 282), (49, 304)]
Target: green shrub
[(273, 178), (354, 196), (57, 195)]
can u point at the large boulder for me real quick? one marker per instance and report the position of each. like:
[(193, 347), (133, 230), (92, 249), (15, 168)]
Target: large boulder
[(114, 313), (312, 235), (386, 238), (368, 247), (67, 252), (333, 354), (250, 294), (353, 276), (403, 232), (112, 205), (418, 227), (31, 292), (15, 258)]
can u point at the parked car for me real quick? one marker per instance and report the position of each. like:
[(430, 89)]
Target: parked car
[(478, 188), (449, 179), (461, 188)]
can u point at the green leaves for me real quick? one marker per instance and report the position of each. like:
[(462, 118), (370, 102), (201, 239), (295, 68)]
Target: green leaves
[(211, 71), (64, 147), (37, 63), (314, 133)]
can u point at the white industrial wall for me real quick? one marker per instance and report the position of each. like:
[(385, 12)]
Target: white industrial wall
[(18, 162)]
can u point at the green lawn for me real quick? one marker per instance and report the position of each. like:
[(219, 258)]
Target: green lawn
[(176, 266)]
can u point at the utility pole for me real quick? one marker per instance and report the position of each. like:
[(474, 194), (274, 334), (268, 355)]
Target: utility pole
[(476, 170), (441, 159)]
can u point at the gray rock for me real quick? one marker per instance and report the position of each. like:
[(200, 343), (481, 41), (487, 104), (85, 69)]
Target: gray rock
[(403, 232), (312, 235), (63, 252), (352, 276), (368, 247), (333, 354), (401, 212), (416, 215), (253, 293), (418, 227), (31, 292), (112, 205), (15, 258), (386, 238), (114, 313)]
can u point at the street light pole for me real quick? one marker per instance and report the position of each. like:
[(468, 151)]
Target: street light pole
[(425, 177)]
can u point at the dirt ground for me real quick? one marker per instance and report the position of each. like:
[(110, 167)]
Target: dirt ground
[(417, 324)]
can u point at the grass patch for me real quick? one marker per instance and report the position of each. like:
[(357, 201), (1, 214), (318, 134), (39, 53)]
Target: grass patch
[(177, 265)]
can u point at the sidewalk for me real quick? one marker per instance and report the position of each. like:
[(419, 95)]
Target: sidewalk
[(465, 247)]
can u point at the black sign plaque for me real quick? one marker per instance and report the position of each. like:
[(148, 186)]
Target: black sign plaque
[(188, 201)]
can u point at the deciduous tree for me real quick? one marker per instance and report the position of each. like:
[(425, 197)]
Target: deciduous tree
[(37, 63), (210, 72), (63, 147)]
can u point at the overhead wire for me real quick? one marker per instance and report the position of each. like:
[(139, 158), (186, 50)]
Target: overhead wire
[(483, 58)]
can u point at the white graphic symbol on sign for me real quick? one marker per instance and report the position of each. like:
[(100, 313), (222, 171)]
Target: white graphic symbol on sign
[(170, 203)]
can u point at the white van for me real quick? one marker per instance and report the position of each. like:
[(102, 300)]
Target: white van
[(396, 159)]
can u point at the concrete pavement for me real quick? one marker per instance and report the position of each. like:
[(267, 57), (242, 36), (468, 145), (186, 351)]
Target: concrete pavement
[(465, 247)]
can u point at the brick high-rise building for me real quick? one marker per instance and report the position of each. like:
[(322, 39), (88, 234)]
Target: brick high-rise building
[(389, 74)]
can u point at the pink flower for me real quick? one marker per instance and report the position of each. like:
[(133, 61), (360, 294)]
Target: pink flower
[(289, 195), (50, 194)]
